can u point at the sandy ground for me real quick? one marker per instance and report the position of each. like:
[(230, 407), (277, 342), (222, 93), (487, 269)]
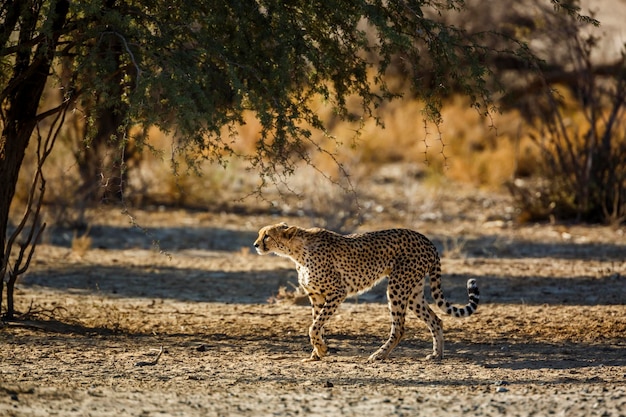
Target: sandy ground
[(548, 339)]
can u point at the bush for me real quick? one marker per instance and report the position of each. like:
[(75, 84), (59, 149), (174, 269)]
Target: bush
[(581, 133)]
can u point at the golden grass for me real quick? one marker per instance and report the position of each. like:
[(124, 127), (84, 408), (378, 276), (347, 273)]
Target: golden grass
[(465, 147), (81, 244)]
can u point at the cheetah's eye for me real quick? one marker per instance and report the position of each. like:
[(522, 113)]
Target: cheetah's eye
[(265, 238)]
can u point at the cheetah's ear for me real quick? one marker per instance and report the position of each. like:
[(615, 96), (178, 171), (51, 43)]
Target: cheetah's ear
[(283, 225), (290, 232)]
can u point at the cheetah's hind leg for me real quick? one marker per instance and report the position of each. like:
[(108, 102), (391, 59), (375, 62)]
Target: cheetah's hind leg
[(397, 304), (421, 308)]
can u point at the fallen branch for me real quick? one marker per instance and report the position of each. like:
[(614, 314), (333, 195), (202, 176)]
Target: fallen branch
[(152, 362)]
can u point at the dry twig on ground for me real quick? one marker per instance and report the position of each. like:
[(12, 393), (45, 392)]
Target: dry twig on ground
[(152, 362)]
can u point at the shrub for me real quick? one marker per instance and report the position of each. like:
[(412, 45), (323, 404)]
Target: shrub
[(581, 134)]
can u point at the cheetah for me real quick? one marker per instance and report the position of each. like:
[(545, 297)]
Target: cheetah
[(332, 266)]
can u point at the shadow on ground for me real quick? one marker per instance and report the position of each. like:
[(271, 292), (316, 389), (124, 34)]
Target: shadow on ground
[(219, 239), (258, 286)]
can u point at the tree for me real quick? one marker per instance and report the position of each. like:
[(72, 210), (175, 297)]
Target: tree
[(194, 68)]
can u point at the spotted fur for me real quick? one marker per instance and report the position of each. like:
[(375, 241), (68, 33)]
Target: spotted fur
[(332, 266)]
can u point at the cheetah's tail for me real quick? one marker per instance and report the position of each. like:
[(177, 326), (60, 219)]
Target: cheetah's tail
[(440, 300)]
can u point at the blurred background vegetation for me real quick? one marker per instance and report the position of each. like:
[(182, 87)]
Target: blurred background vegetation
[(556, 141)]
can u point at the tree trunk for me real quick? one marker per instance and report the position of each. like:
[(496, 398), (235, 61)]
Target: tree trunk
[(13, 143), (101, 163), (10, 299), (22, 97)]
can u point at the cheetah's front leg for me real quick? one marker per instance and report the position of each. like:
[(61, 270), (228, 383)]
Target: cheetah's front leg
[(317, 328), (317, 303)]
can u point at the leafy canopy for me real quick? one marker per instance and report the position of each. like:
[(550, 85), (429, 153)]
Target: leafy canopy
[(194, 67)]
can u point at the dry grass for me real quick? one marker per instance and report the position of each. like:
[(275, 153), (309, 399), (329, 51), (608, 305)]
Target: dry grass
[(294, 295), (465, 148), (81, 244)]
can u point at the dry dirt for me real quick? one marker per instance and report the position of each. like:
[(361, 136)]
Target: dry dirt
[(548, 339)]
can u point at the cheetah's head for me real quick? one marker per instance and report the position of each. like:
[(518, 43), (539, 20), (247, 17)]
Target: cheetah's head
[(275, 238)]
